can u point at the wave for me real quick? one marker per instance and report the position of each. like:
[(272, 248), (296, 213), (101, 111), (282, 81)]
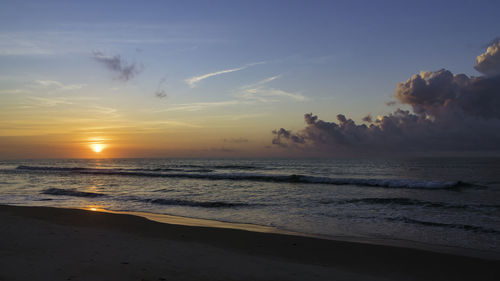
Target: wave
[(200, 170), (392, 183), (159, 201), (204, 204), (224, 167), (71, 192), (78, 169), (473, 228), (409, 202)]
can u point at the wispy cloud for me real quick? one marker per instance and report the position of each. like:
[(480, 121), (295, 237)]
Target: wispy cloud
[(236, 117), (160, 89), (238, 140), (223, 149), (170, 123), (117, 65), (74, 38), (105, 110), (193, 80), (59, 85), (13, 91), (270, 94), (259, 92), (43, 85), (200, 105), (250, 94), (49, 102), (23, 43), (267, 80)]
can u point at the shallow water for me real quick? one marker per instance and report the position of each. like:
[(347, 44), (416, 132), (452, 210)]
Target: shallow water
[(444, 201)]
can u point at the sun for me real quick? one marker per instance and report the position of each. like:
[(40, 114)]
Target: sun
[(97, 147)]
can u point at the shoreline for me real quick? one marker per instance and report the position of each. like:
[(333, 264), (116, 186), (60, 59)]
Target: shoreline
[(197, 222), (42, 243)]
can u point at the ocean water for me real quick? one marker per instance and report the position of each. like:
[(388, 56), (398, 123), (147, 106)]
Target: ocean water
[(441, 201)]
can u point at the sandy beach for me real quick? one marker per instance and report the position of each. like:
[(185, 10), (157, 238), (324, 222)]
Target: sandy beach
[(40, 243)]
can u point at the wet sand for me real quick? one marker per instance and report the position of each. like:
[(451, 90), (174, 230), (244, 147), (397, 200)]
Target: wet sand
[(41, 243)]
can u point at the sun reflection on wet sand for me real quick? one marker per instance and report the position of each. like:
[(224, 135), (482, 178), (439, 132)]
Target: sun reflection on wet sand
[(95, 208), (178, 220)]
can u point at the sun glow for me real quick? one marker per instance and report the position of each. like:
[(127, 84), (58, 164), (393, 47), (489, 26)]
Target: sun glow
[(94, 208), (97, 147)]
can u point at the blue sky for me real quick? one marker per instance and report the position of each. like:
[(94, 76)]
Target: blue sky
[(271, 61)]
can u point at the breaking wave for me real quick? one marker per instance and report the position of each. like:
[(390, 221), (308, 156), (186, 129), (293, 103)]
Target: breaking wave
[(204, 204), (71, 192), (224, 167), (473, 228), (391, 183), (409, 202)]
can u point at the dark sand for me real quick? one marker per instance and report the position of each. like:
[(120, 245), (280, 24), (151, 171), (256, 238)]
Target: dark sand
[(39, 243)]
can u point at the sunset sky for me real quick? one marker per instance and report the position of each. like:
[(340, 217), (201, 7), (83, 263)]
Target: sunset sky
[(215, 78)]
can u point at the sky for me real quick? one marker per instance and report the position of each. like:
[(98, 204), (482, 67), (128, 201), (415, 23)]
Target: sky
[(247, 78)]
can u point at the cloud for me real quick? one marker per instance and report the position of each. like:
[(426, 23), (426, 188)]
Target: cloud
[(267, 80), (368, 118), (105, 110), (59, 85), (160, 89), (488, 63), (116, 64), (14, 91), (200, 105), (194, 80), (246, 95), (443, 95), (449, 112), (259, 92), (238, 140), (169, 123), (49, 102), (161, 94), (267, 94), (222, 149), (287, 135)]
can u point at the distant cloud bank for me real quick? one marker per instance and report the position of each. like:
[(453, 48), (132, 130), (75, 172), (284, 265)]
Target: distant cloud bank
[(116, 64), (449, 112)]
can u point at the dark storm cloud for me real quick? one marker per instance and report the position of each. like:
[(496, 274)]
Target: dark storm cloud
[(449, 112), (440, 94), (286, 135), (116, 64), (368, 118)]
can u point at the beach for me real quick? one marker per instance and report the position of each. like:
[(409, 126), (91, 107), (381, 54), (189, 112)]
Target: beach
[(44, 243), (446, 202), (249, 140)]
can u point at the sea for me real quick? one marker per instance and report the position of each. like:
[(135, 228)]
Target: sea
[(450, 202)]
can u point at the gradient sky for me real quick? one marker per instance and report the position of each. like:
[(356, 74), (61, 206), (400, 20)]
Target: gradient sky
[(228, 72)]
